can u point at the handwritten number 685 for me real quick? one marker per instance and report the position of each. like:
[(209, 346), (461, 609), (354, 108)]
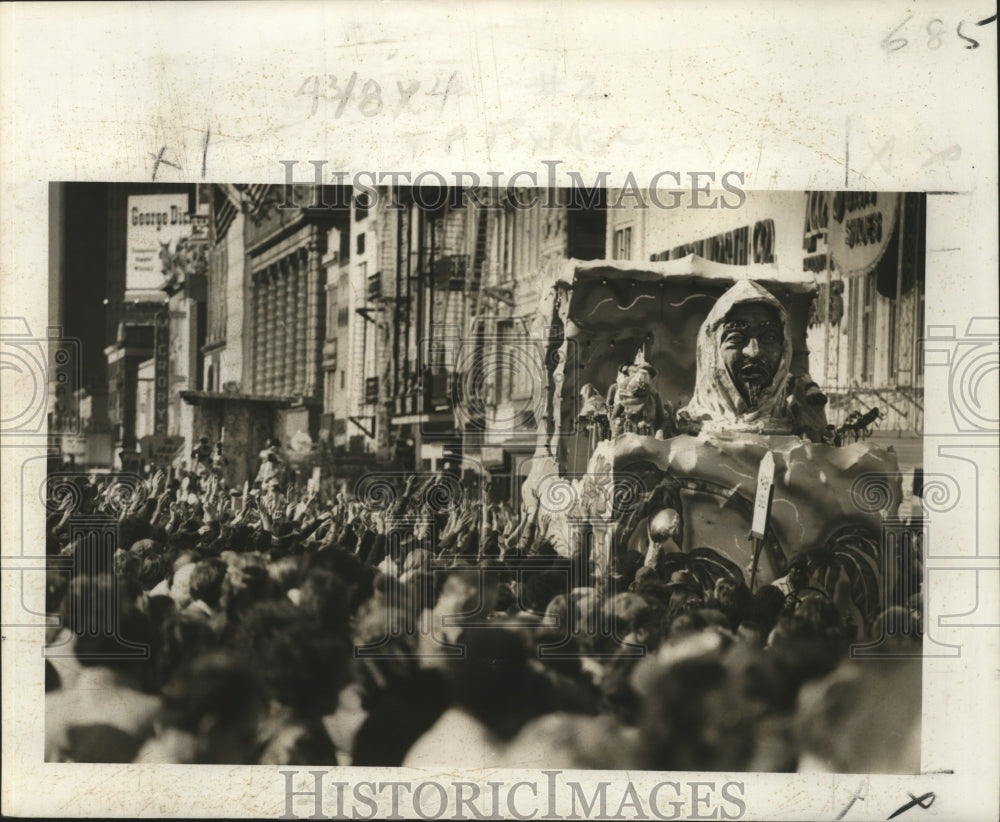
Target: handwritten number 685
[(935, 29)]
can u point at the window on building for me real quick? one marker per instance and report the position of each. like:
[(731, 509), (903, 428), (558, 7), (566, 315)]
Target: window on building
[(523, 382), (506, 366), (374, 287), (217, 274), (623, 244), (919, 332), (868, 339), (437, 356), (331, 313), (508, 246), (362, 202), (861, 328), (343, 379), (361, 243), (328, 390), (371, 390), (892, 354)]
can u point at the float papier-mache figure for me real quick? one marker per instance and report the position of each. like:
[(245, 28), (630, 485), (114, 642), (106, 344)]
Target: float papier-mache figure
[(633, 404), (743, 380), (679, 489)]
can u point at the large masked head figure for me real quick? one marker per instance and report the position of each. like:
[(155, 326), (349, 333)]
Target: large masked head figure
[(744, 356)]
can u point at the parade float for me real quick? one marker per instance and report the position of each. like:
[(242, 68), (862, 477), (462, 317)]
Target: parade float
[(682, 427)]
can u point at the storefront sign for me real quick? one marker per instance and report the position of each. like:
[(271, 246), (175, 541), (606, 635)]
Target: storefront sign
[(161, 371), (492, 456), (740, 246), (153, 223), (814, 233), (861, 226), (75, 446), (161, 449)]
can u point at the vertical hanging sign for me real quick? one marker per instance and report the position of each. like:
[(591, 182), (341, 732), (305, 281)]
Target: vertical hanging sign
[(161, 370)]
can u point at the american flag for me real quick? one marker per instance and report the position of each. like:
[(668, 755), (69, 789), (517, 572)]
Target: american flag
[(231, 199), (254, 194)]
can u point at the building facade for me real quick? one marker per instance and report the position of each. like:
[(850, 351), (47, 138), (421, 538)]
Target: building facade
[(865, 254), (266, 326), (396, 330), (94, 304), (502, 393), (429, 358)]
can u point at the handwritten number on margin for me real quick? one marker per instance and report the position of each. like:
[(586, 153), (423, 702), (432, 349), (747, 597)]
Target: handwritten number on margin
[(934, 43), (890, 44), (405, 93), (346, 96), (303, 89), (958, 31)]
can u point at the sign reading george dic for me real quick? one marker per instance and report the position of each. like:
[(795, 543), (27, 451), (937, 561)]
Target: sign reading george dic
[(152, 221), (765, 491)]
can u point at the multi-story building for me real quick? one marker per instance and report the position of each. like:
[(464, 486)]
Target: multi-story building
[(133, 346), (267, 325), (337, 341), (227, 318), (428, 327), (96, 302), (410, 316), (223, 411), (503, 385), (354, 431), (365, 323)]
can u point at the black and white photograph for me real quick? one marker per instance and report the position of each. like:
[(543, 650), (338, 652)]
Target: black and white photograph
[(499, 411), (575, 478)]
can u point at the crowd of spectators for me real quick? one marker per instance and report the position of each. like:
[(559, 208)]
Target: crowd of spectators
[(271, 625)]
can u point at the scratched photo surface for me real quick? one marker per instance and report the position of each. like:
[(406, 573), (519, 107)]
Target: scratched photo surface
[(481, 476)]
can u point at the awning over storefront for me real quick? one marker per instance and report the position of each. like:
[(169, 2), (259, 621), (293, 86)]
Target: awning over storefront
[(217, 397)]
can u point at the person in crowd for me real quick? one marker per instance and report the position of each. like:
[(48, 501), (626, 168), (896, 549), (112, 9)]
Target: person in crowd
[(269, 475), (210, 714), (106, 713), (219, 460), (304, 668), (845, 725), (202, 456), (494, 691)]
